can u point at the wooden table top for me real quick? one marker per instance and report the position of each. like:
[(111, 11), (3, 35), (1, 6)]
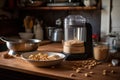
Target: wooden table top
[(64, 70)]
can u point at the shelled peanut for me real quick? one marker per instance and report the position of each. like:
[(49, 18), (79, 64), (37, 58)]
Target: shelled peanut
[(85, 67)]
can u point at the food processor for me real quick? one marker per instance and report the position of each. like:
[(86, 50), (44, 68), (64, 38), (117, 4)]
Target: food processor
[(77, 38)]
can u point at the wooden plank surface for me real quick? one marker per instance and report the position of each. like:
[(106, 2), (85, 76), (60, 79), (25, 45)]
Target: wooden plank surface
[(62, 71)]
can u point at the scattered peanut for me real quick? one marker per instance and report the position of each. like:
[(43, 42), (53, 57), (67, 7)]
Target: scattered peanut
[(112, 71), (89, 64), (78, 70), (86, 66), (72, 75), (91, 72), (99, 63), (86, 75), (92, 65), (89, 67), (104, 73), (7, 56), (109, 65)]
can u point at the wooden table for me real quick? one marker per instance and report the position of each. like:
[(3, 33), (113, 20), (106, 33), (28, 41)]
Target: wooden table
[(62, 71)]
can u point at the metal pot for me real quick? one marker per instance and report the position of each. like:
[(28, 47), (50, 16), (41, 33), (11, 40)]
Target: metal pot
[(17, 46), (57, 35), (49, 31)]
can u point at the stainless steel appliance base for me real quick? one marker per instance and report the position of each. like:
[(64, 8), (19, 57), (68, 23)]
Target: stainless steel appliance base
[(76, 56)]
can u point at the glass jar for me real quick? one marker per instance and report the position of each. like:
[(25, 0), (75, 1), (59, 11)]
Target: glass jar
[(101, 52), (74, 26)]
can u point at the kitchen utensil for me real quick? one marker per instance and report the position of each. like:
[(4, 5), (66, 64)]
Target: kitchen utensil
[(43, 63), (16, 46), (113, 41), (115, 62), (57, 35), (28, 23), (49, 31)]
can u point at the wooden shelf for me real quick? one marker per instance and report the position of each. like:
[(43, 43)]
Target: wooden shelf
[(58, 8), (96, 7)]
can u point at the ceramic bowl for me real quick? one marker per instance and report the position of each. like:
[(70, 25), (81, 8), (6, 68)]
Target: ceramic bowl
[(25, 35), (43, 63)]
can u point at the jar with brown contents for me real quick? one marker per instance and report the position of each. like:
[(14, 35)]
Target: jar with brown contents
[(101, 52), (73, 47)]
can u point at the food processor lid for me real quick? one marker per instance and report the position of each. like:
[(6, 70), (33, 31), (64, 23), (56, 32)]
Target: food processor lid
[(75, 20)]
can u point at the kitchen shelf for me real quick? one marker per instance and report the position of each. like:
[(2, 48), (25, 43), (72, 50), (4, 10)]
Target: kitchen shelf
[(58, 8), (96, 7), (53, 8)]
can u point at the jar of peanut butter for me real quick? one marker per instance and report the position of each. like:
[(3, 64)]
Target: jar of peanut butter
[(101, 52)]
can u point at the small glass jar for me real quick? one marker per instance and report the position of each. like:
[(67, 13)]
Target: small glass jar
[(101, 52)]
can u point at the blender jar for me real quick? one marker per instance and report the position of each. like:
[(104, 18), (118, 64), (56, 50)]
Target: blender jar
[(74, 28), (74, 34)]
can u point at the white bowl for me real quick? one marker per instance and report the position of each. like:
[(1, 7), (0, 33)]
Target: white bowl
[(25, 35), (43, 63)]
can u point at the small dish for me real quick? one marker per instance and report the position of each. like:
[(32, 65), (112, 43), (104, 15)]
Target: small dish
[(43, 63), (25, 35)]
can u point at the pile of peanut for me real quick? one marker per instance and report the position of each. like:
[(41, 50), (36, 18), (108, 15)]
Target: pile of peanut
[(79, 67), (43, 57)]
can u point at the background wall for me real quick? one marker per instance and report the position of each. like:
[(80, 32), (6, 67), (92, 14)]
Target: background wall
[(110, 17), (115, 16), (105, 18)]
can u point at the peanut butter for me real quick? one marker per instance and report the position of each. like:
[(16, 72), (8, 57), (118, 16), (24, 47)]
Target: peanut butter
[(73, 46), (100, 52)]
